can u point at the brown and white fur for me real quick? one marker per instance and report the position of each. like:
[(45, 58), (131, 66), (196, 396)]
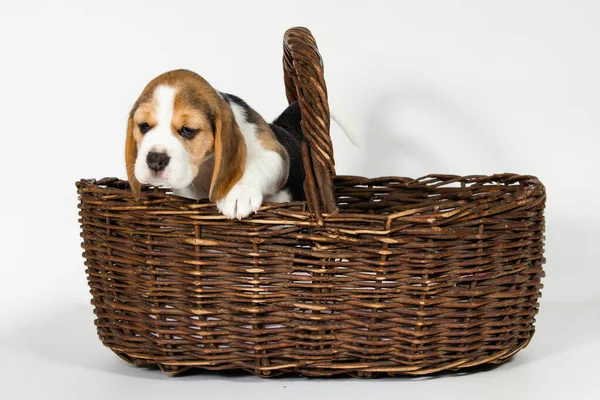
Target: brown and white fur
[(184, 134)]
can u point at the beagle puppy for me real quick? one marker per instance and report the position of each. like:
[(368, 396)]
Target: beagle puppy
[(184, 134)]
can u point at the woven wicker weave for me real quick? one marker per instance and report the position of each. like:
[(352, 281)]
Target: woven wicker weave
[(369, 276)]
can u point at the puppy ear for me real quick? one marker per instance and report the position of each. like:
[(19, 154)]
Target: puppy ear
[(230, 153), (130, 157)]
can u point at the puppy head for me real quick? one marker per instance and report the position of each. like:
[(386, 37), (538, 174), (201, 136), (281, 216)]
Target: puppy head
[(177, 123)]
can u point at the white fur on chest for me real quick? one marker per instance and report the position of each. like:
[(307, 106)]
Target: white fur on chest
[(248, 129), (264, 168)]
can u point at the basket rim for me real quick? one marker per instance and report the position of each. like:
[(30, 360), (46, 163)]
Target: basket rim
[(523, 188), (506, 179)]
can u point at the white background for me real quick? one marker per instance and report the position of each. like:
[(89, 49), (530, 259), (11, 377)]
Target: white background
[(464, 87)]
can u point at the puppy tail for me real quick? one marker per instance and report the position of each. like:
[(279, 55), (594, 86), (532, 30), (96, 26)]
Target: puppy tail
[(290, 121), (346, 124)]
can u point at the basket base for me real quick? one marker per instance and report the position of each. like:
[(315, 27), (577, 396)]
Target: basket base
[(353, 369)]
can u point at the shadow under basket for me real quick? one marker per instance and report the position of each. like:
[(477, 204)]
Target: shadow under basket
[(367, 277)]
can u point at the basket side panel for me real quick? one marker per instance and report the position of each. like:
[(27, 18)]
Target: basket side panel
[(461, 277), (410, 277)]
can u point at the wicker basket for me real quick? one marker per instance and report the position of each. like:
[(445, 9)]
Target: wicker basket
[(368, 276)]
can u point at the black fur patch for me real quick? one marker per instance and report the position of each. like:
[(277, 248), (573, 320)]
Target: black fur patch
[(290, 121), (249, 113), (287, 130)]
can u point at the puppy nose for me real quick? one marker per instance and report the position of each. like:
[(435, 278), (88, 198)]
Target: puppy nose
[(157, 161)]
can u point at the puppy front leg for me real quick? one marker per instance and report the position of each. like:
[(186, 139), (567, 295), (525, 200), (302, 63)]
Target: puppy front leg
[(262, 176)]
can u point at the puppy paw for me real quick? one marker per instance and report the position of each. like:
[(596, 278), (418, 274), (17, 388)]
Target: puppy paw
[(240, 202)]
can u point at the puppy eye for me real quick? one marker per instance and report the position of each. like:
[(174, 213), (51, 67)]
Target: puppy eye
[(144, 127), (188, 133)]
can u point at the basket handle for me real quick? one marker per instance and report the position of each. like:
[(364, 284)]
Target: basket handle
[(305, 83)]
